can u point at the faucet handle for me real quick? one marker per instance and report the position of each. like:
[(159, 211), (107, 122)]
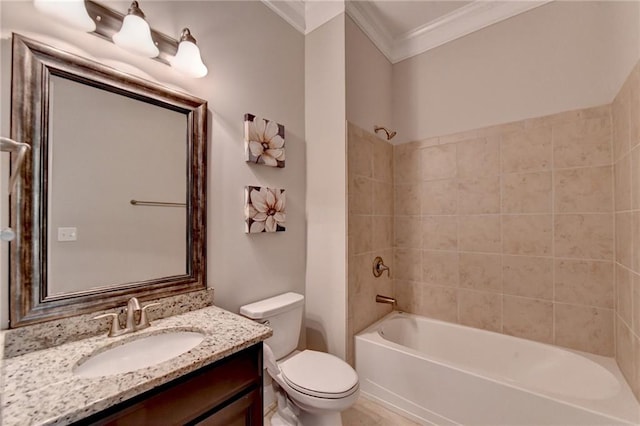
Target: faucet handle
[(144, 319), (115, 329)]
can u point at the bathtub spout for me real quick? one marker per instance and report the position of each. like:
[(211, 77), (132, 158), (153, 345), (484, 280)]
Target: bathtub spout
[(385, 299)]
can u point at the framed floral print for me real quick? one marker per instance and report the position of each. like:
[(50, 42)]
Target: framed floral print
[(263, 141), (264, 209)]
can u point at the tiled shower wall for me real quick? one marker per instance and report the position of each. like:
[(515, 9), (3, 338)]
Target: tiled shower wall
[(511, 229), (370, 228), (625, 112)]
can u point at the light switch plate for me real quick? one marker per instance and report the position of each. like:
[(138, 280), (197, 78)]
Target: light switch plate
[(67, 234)]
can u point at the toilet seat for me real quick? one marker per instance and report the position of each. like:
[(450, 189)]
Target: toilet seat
[(320, 375)]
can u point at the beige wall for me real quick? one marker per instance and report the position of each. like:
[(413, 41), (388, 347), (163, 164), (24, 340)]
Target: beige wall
[(326, 276), (557, 57), (510, 229), (233, 37), (370, 234), (369, 77), (626, 154)]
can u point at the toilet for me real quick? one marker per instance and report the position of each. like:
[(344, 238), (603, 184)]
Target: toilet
[(311, 387)]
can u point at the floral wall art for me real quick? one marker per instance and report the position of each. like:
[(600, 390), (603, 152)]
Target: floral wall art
[(264, 209), (263, 141)]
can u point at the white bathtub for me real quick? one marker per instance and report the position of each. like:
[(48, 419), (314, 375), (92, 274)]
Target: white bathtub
[(447, 374)]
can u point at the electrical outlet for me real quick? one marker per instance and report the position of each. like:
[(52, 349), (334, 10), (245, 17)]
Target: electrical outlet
[(67, 234)]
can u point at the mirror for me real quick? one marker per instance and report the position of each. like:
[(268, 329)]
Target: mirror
[(111, 203)]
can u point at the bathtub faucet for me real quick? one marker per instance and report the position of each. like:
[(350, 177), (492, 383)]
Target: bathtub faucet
[(385, 299)]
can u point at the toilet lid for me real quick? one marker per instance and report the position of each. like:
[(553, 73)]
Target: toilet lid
[(319, 374)]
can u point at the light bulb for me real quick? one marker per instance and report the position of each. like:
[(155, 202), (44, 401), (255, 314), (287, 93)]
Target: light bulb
[(135, 34), (71, 12), (188, 60)]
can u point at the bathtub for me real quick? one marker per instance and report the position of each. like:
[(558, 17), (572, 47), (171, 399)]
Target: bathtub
[(447, 374)]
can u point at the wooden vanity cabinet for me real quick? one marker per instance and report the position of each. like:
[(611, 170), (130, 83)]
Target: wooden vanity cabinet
[(225, 393)]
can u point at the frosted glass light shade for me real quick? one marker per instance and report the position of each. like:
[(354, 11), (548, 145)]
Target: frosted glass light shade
[(135, 36), (71, 12), (188, 60)]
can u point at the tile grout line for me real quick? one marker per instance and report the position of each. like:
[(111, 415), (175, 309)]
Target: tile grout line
[(553, 237)]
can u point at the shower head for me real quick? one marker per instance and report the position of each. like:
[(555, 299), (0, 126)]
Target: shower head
[(390, 133)]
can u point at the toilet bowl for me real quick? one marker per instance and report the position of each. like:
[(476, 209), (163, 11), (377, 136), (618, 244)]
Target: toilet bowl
[(311, 387)]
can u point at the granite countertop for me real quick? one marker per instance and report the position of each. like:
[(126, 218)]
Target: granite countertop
[(40, 388)]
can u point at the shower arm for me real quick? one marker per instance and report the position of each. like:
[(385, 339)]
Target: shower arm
[(9, 145)]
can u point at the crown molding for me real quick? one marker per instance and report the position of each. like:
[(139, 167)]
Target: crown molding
[(460, 22), (305, 16), (292, 11), (361, 14)]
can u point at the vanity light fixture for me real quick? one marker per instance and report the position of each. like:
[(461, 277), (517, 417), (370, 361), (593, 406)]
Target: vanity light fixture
[(71, 12), (135, 34), (130, 32), (188, 60)]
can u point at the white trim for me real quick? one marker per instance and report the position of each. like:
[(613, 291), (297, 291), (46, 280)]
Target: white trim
[(292, 11), (460, 22), (318, 13), (305, 16), (371, 26)]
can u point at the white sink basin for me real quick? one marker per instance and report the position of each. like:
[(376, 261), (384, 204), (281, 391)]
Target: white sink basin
[(140, 353)]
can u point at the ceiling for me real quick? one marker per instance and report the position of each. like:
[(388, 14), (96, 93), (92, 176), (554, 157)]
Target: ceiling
[(400, 28)]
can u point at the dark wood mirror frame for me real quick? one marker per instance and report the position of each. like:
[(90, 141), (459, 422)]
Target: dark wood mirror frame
[(33, 64)]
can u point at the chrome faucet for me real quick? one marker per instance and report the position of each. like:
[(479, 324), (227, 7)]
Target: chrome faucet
[(133, 307), (386, 299)]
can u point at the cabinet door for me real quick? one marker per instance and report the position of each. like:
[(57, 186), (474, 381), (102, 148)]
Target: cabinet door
[(246, 411)]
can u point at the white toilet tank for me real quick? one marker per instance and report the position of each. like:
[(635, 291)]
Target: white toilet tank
[(284, 315)]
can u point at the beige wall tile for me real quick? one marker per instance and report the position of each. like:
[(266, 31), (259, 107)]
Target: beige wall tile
[(359, 234), (439, 197), (624, 239), (526, 193), (527, 234), (635, 178), (620, 118), (635, 303), (382, 232), (439, 162), (440, 232), (634, 107), (440, 268), (382, 198), (461, 136), (584, 282), (382, 161), (636, 382), (407, 232), (528, 318), (479, 233), (408, 295), (635, 240), (480, 309), (587, 236), (407, 264), (479, 195), (439, 303), (528, 276), (584, 190), (583, 142), (407, 199), (360, 155), (479, 157), (624, 293), (584, 328), (406, 164), (527, 150), (623, 183), (360, 195), (624, 351), (481, 271)]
